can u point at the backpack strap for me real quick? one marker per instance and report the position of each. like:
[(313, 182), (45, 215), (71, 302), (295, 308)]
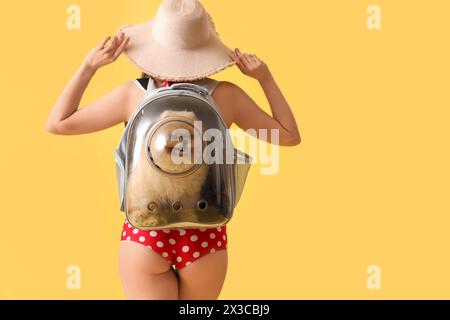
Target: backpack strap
[(145, 84), (141, 83), (208, 83), (150, 86)]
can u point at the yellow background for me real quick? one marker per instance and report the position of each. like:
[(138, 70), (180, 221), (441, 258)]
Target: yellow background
[(368, 185)]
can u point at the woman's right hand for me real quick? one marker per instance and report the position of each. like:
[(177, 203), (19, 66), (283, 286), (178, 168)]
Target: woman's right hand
[(102, 55)]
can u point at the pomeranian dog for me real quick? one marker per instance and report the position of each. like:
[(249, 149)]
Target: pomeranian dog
[(155, 198)]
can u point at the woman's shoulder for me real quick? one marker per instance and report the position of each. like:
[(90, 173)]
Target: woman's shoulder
[(221, 85), (226, 87)]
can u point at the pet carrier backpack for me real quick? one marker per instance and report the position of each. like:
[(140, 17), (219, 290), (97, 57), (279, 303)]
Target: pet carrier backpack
[(176, 165)]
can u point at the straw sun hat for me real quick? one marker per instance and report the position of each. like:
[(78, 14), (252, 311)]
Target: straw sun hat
[(179, 44)]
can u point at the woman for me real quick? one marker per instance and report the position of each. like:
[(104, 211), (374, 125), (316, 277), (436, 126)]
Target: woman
[(161, 49)]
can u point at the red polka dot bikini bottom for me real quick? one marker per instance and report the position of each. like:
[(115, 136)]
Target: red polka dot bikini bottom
[(180, 247)]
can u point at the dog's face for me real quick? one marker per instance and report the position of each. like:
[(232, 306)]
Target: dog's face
[(172, 145)]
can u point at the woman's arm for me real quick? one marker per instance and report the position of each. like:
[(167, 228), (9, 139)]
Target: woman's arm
[(67, 119), (248, 115)]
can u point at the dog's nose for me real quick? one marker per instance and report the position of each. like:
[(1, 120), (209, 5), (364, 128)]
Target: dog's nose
[(169, 148), (168, 144)]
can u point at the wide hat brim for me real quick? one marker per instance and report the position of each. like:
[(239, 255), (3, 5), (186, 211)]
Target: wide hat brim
[(174, 64)]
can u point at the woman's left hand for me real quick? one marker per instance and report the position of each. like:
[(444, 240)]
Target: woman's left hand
[(251, 65), (103, 54)]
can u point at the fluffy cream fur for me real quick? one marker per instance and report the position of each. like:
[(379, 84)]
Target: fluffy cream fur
[(146, 184)]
